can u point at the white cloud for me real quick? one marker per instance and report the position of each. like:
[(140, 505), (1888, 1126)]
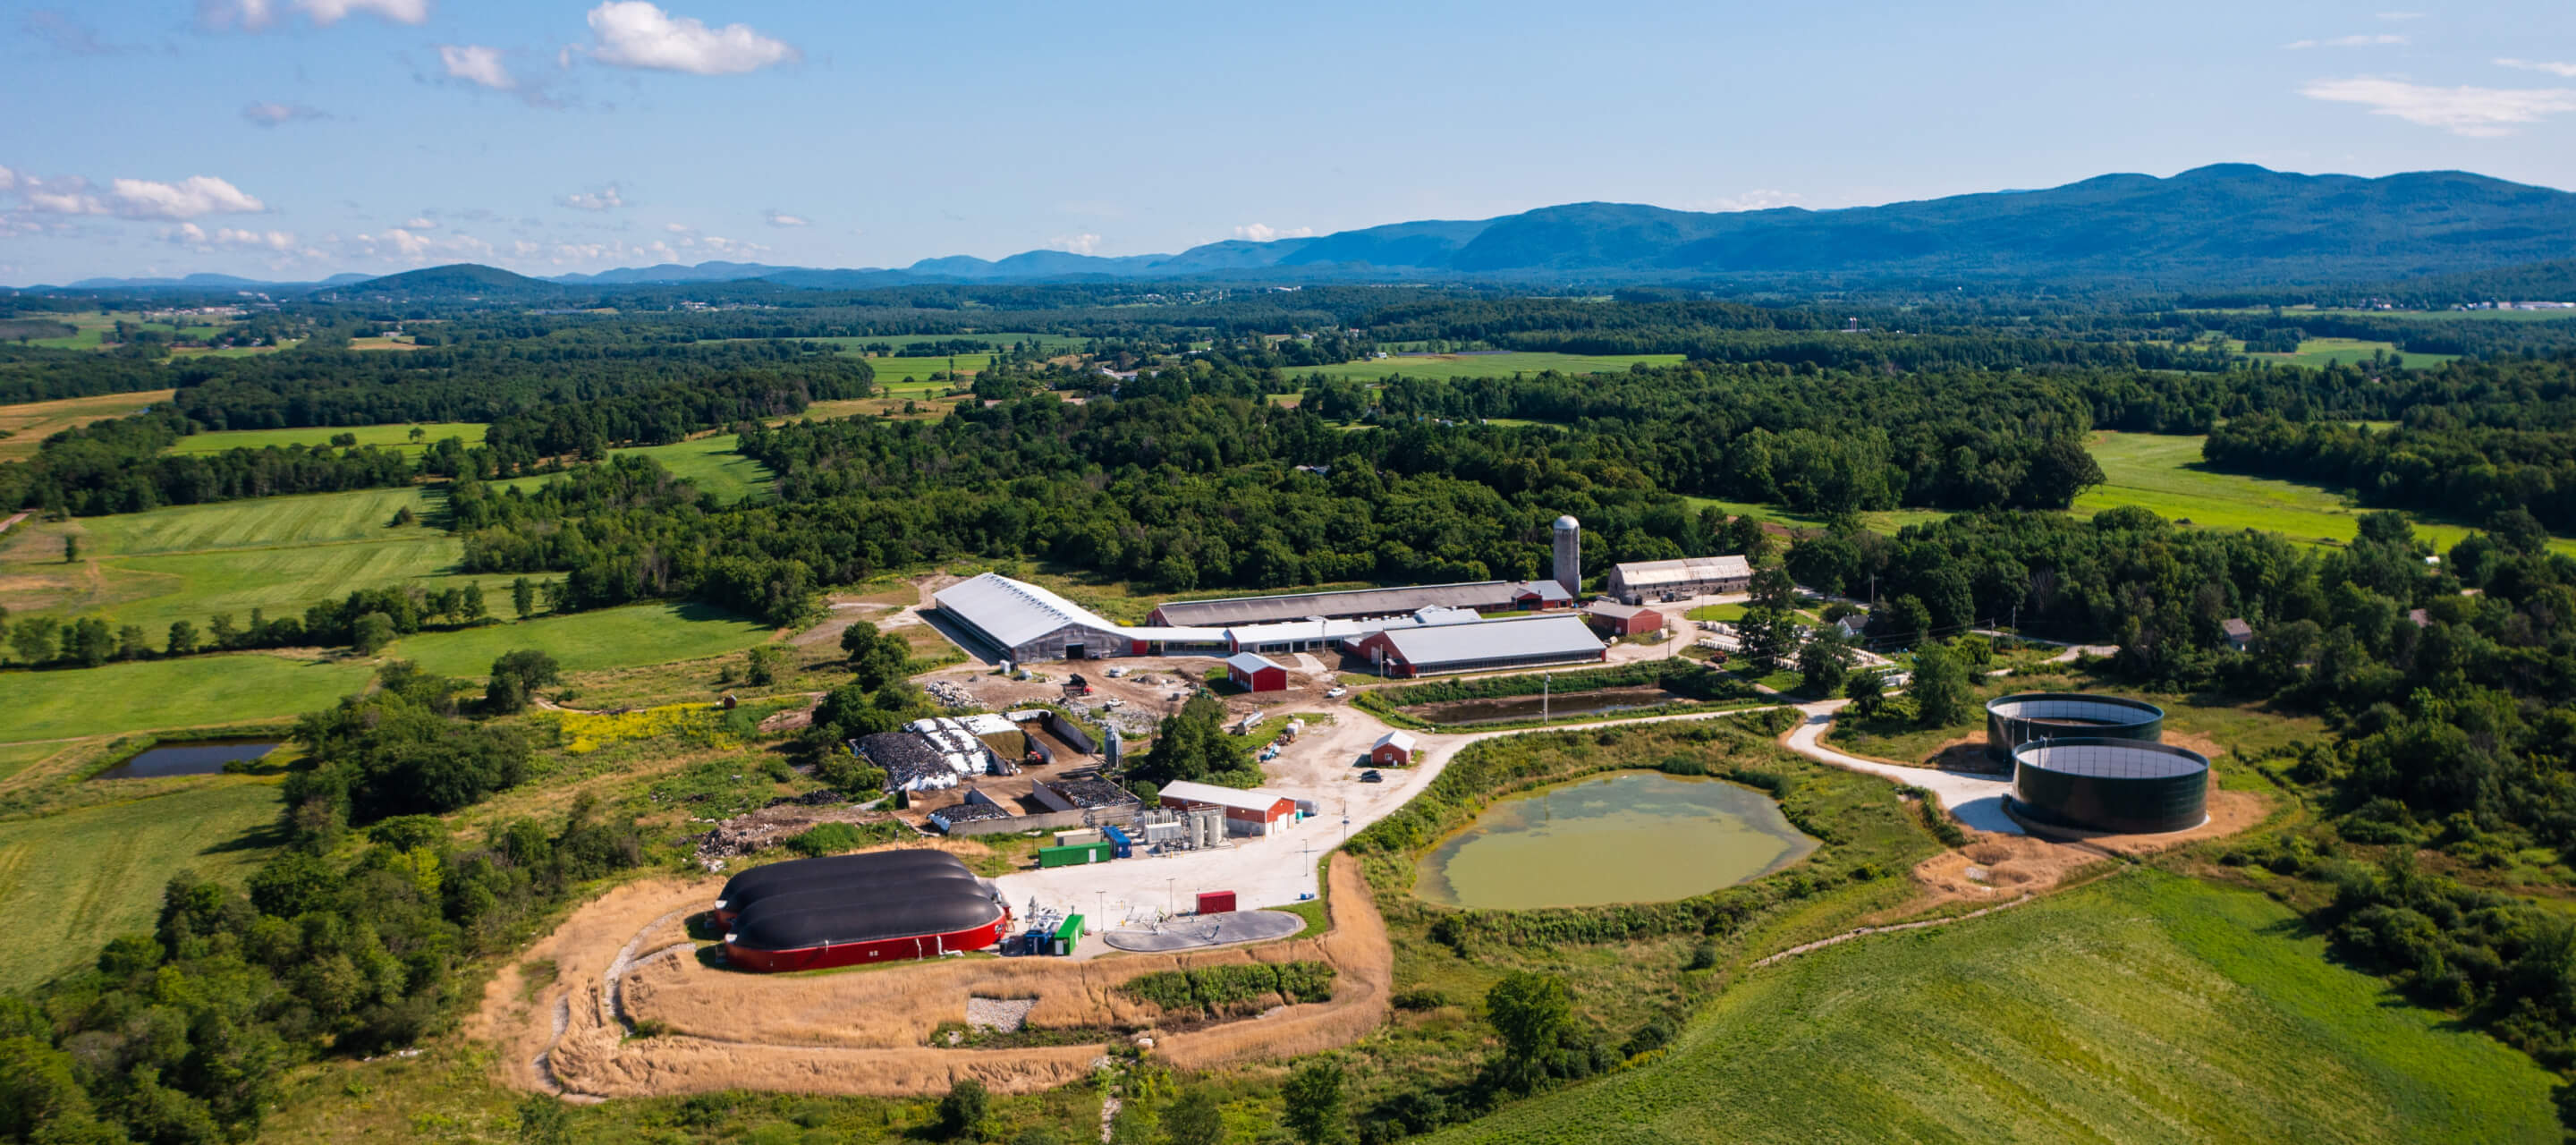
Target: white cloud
[(2478, 112), (1075, 244), (423, 223), (604, 199), (680, 228), (255, 15), (2552, 67), (8, 180), (186, 199), (192, 235), (408, 245), (273, 114), (1264, 232), (1755, 200), (477, 64), (2378, 40), (779, 218), (639, 34)]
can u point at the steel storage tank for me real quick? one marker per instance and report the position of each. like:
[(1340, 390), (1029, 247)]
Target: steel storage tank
[(2122, 786), (2017, 719)]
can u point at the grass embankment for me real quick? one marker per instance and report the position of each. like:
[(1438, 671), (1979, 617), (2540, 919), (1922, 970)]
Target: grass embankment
[(71, 881), (1700, 688), (1455, 366), (28, 424), (2164, 474), (2145, 1007)]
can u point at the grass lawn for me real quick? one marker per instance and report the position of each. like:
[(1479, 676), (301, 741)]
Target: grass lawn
[(1454, 366), (30, 423), (1717, 612), (710, 463), (2163, 473), (17, 757), (584, 641), (1876, 521), (150, 695), (384, 436), (2145, 1008), (70, 882)]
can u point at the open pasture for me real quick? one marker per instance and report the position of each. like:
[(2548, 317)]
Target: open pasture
[(709, 462), (1501, 365), (2163, 473), (2145, 1008), (158, 695), (635, 635), (71, 881), (396, 437), (30, 423)]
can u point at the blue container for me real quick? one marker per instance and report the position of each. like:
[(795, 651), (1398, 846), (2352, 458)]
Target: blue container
[(1119, 840)]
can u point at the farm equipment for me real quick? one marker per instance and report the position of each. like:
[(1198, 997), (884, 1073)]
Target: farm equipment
[(1077, 686)]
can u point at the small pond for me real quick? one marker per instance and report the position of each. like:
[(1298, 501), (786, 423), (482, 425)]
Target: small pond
[(202, 757), (1632, 836), (1511, 708)]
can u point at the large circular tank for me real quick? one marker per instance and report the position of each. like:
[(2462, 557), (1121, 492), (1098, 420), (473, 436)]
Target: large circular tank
[(2014, 720), (2123, 786)]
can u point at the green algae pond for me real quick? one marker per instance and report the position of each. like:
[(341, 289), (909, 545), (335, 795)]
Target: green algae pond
[(1630, 836)]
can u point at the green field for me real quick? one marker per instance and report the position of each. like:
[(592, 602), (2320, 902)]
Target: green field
[(192, 562), (2320, 352), (70, 882), (386, 436), (1876, 520), (192, 691), (2162, 473), (2147, 1008), (92, 327), (710, 463), (1454, 366), (583, 641)]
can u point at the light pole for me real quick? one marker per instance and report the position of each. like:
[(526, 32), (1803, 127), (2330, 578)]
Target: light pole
[(1171, 899), (1101, 914)]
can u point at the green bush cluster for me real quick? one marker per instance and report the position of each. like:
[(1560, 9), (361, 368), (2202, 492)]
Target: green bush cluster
[(1220, 991)]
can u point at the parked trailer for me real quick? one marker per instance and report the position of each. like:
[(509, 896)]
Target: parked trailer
[(1100, 852)]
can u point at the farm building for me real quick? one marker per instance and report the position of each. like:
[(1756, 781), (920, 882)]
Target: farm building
[(1255, 673), (1247, 812), (854, 909), (1394, 749), (1318, 633), (1481, 647), (1642, 581), (2240, 635), (1022, 621), (1623, 619), (1354, 604)]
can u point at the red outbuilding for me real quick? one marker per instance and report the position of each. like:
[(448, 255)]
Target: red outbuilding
[(1247, 812), (1623, 619), (1256, 673), (1394, 749)]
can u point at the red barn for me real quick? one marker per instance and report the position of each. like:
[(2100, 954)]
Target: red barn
[(1623, 619), (1255, 673), (1247, 812), (1394, 749)]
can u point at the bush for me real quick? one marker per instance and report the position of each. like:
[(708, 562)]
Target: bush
[(1223, 991), (962, 1111)]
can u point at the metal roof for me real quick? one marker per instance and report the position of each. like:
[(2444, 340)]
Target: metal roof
[(1013, 612), (1401, 741), (1252, 799), (1684, 570), (1617, 611), (1248, 663), (1542, 636), (1357, 602)]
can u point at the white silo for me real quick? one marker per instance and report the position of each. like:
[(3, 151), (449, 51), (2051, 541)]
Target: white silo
[(1569, 555)]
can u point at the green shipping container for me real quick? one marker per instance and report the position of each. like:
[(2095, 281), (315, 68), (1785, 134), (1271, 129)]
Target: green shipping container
[(1100, 852), (1067, 935)]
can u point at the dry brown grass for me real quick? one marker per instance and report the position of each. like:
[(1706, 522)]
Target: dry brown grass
[(863, 1031), (2229, 813), (28, 425)]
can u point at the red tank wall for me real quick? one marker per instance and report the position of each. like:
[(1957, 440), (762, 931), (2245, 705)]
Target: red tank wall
[(862, 953)]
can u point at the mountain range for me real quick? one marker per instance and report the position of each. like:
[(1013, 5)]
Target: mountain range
[(2219, 226)]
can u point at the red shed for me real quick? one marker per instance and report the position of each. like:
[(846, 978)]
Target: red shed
[(1624, 619), (1254, 673), (1247, 812), (1394, 749), (1216, 902)]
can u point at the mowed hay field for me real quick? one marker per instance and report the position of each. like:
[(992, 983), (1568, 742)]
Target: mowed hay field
[(709, 463), (1454, 366), (192, 562), (2162, 473), (29, 424), (626, 637), (2144, 1008), (396, 437), (154, 695), (70, 882)]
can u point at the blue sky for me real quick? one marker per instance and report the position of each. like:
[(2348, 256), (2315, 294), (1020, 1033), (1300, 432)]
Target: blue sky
[(297, 138)]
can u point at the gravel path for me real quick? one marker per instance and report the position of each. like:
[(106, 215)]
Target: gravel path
[(1977, 800)]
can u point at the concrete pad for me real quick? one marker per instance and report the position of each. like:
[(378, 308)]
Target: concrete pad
[(1198, 931)]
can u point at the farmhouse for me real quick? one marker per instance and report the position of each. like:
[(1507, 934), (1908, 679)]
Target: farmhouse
[(1247, 812), (1255, 673), (1641, 581), (1623, 619), (1394, 749), (1481, 647), (1475, 596)]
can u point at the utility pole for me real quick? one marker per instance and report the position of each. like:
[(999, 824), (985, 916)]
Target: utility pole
[(1546, 681)]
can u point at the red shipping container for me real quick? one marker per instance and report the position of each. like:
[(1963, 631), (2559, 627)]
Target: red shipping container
[(1216, 902)]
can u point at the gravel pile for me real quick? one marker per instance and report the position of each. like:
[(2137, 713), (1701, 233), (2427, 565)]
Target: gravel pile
[(1000, 1015)]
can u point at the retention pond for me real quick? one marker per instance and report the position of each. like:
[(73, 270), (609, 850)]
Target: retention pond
[(1631, 836), (205, 757)]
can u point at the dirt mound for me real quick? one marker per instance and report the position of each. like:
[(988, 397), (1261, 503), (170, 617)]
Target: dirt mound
[(1993, 868), (780, 821), (2229, 813), (866, 1031)]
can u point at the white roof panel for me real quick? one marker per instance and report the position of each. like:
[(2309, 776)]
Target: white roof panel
[(1555, 635)]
